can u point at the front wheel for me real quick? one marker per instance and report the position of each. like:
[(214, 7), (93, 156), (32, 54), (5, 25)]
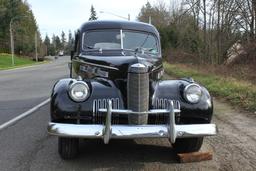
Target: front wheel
[(68, 148), (186, 145)]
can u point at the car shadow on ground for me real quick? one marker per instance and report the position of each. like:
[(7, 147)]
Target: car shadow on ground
[(120, 154)]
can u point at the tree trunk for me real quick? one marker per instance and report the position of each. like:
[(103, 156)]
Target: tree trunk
[(254, 18), (218, 33), (205, 43)]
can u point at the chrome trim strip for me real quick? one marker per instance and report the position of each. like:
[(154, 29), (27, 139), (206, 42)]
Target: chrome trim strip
[(150, 112), (98, 65), (122, 41), (108, 131), (163, 103), (102, 103)]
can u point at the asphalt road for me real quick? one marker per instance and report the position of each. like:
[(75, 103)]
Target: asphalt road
[(22, 89), (27, 146)]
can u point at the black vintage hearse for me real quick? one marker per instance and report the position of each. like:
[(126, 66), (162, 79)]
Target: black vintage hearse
[(115, 91)]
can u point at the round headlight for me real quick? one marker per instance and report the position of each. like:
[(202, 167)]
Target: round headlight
[(193, 93), (79, 91)]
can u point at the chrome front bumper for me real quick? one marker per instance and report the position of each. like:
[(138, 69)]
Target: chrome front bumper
[(108, 131)]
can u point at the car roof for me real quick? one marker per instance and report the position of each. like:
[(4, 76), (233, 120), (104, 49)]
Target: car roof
[(126, 25)]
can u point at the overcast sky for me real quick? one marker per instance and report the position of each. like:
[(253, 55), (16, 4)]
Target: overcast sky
[(53, 16)]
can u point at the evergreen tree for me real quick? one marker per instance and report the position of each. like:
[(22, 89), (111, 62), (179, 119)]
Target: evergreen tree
[(53, 46), (159, 14), (47, 43), (146, 12), (19, 14), (58, 44), (63, 40), (70, 42), (93, 14)]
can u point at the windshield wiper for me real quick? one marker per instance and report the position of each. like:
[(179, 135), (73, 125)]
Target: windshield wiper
[(143, 50), (93, 48), (89, 47)]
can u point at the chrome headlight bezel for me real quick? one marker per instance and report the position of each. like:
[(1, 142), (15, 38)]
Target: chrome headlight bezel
[(85, 90), (196, 95)]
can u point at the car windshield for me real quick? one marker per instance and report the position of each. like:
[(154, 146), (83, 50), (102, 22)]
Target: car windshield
[(120, 39)]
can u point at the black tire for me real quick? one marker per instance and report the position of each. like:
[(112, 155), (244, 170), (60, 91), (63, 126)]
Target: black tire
[(186, 145), (68, 148)]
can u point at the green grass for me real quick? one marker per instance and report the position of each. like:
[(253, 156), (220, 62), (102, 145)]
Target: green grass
[(238, 93), (6, 61)]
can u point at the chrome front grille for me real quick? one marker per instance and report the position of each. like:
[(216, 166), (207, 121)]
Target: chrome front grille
[(102, 104), (138, 92), (163, 103)]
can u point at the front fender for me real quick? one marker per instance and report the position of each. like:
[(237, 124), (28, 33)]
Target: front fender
[(173, 90), (63, 107)]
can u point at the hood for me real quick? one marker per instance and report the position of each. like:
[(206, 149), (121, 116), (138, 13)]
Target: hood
[(118, 66)]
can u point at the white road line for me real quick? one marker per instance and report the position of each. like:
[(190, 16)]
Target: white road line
[(23, 115)]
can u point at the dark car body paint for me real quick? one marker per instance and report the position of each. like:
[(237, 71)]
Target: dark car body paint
[(63, 109)]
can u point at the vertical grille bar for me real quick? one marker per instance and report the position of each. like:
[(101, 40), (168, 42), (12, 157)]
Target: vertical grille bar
[(163, 103), (98, 117), (138, 92)]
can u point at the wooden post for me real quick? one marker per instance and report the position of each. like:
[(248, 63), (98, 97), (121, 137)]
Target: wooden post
[(194, 157)]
